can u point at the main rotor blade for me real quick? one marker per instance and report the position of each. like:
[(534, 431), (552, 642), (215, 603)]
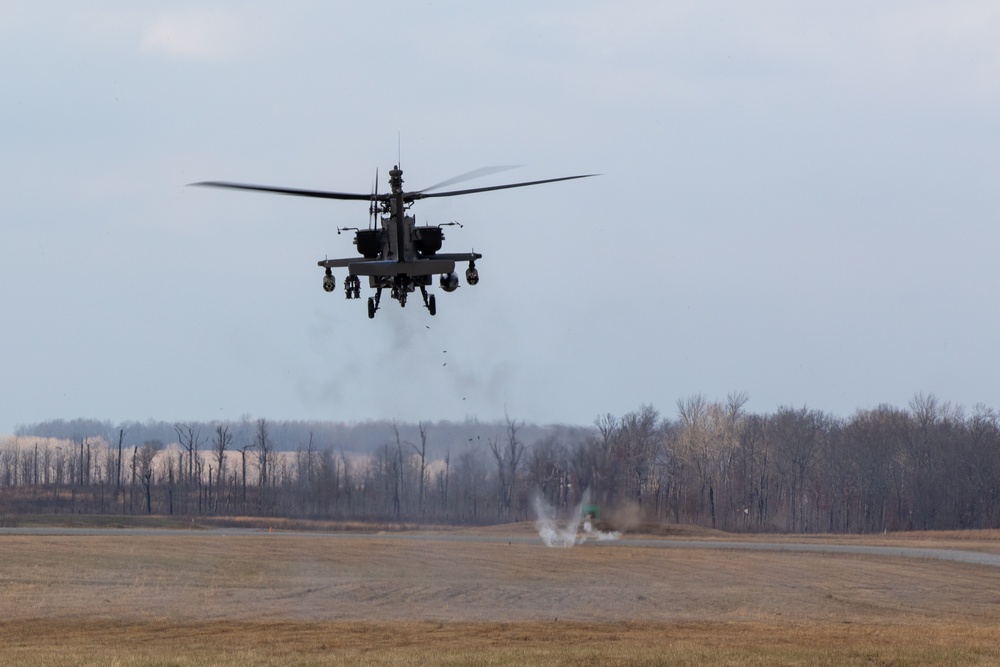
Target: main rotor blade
[(452, 193), (469, 175), (320, 194)]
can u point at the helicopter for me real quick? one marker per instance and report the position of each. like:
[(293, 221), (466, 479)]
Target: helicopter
[(398, 255)]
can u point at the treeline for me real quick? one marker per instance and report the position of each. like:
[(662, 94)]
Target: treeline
[(931, 466), (292, 435)]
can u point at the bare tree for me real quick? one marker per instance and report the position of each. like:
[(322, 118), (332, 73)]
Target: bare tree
[(508, 457), (135, 475), (118, 471), (548, 470), (394, 471), (875, 440), (190, 439), (932, 468), (422, 454), (442, 482), (796, 441), (979, 460), (220, 443), (597, 461), (715, 450), (265, 453), (470, 483), (147, 453), (636, 449)]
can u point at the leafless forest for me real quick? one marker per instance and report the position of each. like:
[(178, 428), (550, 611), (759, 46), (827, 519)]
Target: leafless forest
[(929, 466)]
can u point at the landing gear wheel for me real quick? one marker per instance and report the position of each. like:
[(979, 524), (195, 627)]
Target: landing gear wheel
[(371, 308), (431, 305)]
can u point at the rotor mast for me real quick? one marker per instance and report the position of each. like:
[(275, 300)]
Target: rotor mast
[(396, 183)]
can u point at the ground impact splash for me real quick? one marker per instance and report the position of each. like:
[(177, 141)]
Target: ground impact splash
[(566, 532)]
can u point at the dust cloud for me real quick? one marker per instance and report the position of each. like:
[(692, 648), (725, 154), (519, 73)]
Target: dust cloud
[(574, 530)]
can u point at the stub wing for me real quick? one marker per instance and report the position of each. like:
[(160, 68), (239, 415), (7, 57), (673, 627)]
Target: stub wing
[(383, 267), (338, 263), (459, 256)]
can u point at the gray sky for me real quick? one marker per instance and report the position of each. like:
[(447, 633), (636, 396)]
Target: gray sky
[(798, 200)]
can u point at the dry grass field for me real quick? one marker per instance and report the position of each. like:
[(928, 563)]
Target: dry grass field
[(211, 598)]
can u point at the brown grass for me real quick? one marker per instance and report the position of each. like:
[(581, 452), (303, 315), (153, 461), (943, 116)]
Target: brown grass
[(268, 599), (550, 643)]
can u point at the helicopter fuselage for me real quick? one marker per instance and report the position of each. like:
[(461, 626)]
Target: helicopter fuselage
[(398, 255)]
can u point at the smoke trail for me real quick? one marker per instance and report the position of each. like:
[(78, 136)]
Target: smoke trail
[(568, 534)]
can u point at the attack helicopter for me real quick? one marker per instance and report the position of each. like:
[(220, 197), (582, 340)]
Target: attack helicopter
[(397, 255)]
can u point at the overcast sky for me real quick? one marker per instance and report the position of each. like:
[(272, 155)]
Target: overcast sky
[(798, 201)]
